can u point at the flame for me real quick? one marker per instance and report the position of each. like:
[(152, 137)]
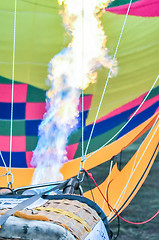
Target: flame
[(71, 70)]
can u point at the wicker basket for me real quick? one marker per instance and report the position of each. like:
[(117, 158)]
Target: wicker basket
[(72, 215)]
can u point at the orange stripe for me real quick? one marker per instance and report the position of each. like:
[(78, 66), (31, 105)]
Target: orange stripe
[(22, 177)]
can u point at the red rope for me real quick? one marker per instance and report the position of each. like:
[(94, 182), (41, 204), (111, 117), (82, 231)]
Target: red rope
[(135, 223)]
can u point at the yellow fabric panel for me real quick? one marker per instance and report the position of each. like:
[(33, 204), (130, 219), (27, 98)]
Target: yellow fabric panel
[(119, 179), (22, 176), (137, 58), (40, 35)]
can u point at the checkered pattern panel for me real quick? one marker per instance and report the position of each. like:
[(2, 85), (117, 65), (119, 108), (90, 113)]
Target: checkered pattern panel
[(28, 110)]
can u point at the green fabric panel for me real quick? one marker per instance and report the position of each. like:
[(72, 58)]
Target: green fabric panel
[(154, 93), (75, 137), (98, 141), (117, 3), (18, 128), (35, 94), (31, 143), (4, 128), (7, 81)]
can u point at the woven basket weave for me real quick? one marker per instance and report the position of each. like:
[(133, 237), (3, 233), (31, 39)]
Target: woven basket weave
[(73, 215)]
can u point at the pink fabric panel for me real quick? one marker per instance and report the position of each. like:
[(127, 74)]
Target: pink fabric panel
[(28, 159), (157, 110), (87, 103), (20, 93), (125, 107), (148, 104), (71, 150), (34, 111), (143, 8), (18, 143)]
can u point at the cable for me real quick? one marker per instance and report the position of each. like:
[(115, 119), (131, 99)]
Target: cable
[(11, 126), (12, 97), (82, 64), (108, 78), (126, 122), (83, 158), (90, 187), (133, 170), (110, 169), (117, 235), (82, 79), (134, 223), (3, 162), (83, 162), (140, 223)]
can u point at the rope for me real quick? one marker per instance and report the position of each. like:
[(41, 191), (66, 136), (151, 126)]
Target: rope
[(31, 217), (110, 169), (11, 126), (3, 162), (82, 79), (7, 173), (90, 187), (134, 223), (126, 122), (78, 177), (133, 171), (82, 126), (108, 78), (139, 223)]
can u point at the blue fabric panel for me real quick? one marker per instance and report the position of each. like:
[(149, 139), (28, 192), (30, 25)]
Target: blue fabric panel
[(18, 111), (31, 127), (108, 124), (139, 118), (18, 159), (79, 125)]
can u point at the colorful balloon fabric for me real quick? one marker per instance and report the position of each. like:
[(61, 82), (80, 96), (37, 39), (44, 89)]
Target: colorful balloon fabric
[(39, 36)]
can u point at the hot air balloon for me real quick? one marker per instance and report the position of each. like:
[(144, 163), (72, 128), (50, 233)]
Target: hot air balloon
[(113, 111)]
